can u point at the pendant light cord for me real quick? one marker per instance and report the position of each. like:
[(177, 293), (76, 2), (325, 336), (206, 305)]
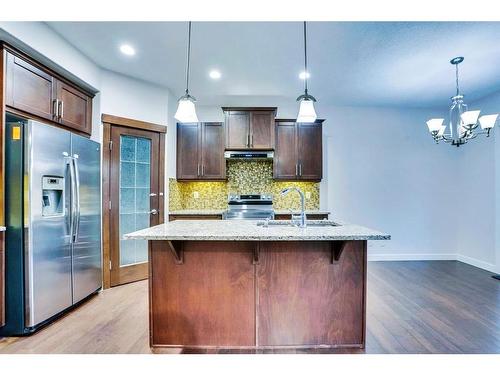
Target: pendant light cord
[(305, 56), (456, 78), (188, 57)]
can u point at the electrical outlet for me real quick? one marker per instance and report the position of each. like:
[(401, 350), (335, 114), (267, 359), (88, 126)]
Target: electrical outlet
[(196, 195), (308, 195)]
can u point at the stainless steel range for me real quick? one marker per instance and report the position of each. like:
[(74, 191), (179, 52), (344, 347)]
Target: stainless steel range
[(249, 207)]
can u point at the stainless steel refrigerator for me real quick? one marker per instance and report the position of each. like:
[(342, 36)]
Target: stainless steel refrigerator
[(53, 217)]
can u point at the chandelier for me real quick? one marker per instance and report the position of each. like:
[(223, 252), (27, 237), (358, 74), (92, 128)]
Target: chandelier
[(463, 123)]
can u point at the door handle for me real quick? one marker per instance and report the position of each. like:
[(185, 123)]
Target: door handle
[(55, 108), (152, 194), (77, 196), (202, 169), (153, 212), (300, 169), (248, 140), (61, 109), (296, 169), (251, 140), (198, 170)]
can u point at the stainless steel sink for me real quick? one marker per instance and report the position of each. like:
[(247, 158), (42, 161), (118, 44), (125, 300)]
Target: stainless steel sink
[(290, 223)]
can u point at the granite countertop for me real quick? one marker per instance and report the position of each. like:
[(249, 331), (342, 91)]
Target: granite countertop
[(245, 230), (220, 212)]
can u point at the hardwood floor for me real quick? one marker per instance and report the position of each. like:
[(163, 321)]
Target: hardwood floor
[(413, 307)]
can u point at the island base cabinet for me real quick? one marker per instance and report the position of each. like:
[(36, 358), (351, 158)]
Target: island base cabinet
[(242, 294), (305, 300)]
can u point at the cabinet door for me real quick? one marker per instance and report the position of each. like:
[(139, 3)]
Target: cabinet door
[(237, 129), (75, 108), (285, 156), (28, 88), (188, 146), (310, 152), (262, 130), (213, 165)]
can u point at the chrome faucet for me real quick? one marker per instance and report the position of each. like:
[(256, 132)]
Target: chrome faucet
[(284, 192)]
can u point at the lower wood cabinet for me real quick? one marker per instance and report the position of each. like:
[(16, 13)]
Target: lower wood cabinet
[(194, 217), (200, 151), (299, 152)]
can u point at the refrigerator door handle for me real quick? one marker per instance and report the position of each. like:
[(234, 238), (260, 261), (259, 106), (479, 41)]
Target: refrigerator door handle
[(72, 175), (77, 197)]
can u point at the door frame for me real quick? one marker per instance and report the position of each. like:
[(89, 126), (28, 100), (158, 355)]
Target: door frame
[(108, 121)]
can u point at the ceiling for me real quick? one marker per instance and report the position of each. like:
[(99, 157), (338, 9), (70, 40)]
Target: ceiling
[(351, 63)]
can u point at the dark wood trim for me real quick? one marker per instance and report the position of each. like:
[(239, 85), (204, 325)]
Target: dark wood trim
[(172, 217), (249, 109), (318, 120), (161, 180), (131, 123), (106, 176)]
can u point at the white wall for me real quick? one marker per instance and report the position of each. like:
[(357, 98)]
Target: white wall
[(381, 167), (479, 184)]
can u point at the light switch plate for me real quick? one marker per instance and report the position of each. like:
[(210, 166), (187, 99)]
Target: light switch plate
[(196, 195), (308, 195)]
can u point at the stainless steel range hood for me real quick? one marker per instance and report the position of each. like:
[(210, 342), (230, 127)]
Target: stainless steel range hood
[(249, 155)]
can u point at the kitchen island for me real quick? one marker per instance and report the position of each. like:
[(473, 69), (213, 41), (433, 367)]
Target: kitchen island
[(236, 285)]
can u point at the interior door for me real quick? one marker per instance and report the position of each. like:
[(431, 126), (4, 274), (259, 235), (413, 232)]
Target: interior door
[(134, 189), (87, 271)]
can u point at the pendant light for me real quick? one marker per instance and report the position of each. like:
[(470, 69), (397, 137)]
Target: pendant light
[(186, 111), (306, 101)]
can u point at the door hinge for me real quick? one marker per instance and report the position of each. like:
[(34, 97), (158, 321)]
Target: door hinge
[(110, 145)]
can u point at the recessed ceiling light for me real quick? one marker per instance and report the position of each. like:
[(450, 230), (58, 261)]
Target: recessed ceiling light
[(214, 74), (304, 75), (127, 49)]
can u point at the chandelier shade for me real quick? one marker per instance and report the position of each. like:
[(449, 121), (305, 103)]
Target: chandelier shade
[(462, 122), (487, 121)]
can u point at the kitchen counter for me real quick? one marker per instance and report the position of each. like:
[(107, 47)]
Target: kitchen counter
[(235, 285), (245, 230)]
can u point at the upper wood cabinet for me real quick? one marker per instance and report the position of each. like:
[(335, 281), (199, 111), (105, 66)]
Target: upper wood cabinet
[(249, 128), (299, 151), (35, 90), (200, 151)]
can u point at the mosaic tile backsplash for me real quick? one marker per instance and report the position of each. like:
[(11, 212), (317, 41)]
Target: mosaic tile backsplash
[(242, 178)]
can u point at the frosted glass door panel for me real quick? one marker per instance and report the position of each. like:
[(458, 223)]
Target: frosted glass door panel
[(135, 189)]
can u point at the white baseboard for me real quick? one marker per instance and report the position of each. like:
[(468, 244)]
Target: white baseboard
[(477, 263), (409, 257), (396, 257)]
